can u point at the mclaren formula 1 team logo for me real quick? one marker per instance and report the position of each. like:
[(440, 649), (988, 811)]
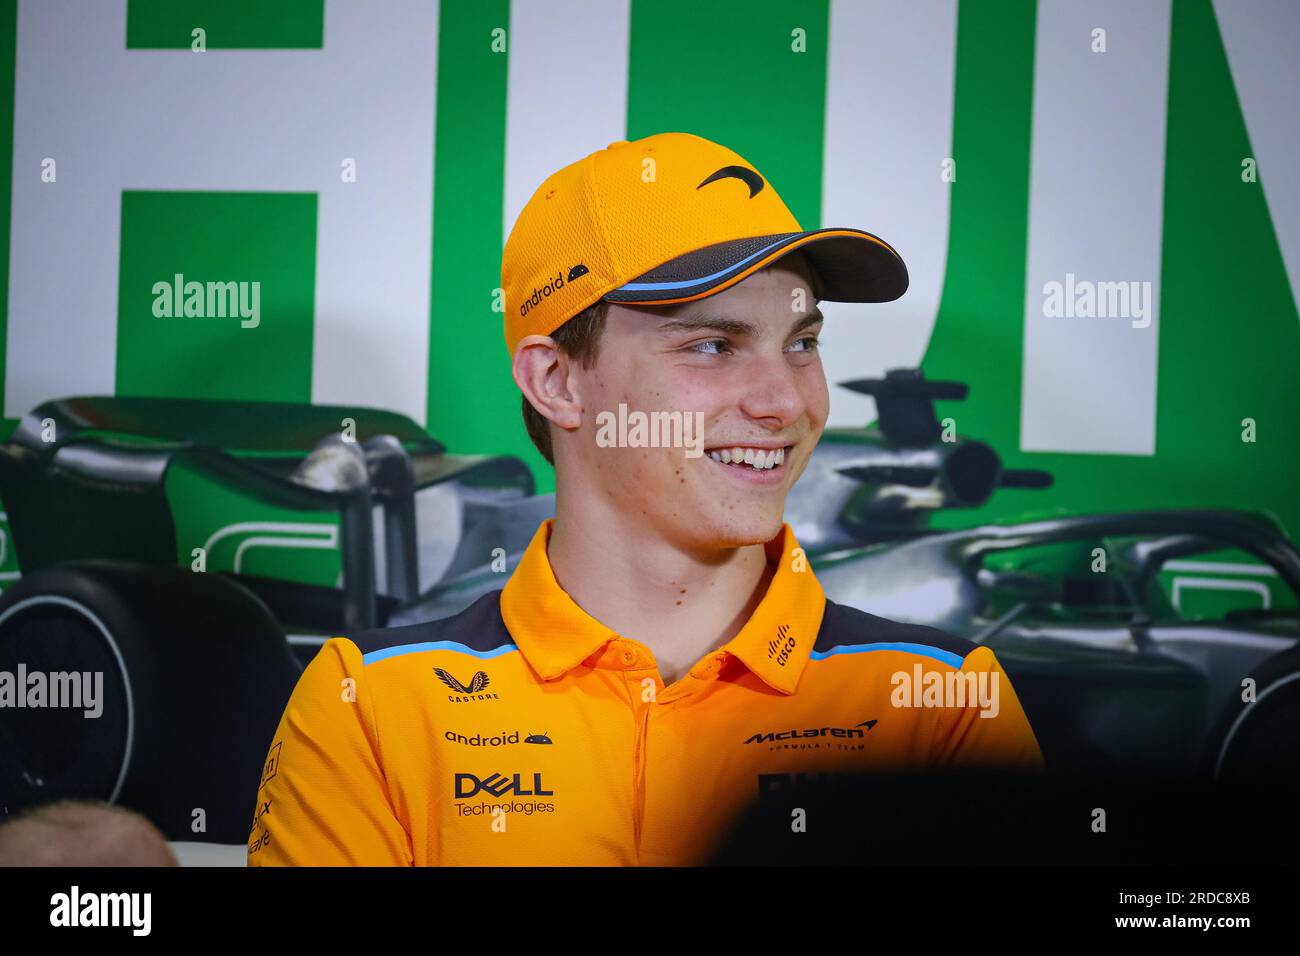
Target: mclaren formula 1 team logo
[(814, 738), (464, 694)]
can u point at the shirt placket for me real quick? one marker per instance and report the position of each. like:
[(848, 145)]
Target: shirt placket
[(638, 665)]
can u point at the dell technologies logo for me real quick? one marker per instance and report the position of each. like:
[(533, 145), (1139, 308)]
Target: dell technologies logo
[(467, 785)]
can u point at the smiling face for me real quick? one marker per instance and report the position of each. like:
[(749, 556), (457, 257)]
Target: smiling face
[(746, 360)]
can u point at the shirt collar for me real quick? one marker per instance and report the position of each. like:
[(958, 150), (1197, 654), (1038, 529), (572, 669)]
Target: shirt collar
[(555, 635)]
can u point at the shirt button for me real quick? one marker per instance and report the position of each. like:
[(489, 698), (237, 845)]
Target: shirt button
[(628, 657)]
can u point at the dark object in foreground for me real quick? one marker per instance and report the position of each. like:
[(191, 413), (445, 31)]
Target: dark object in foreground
[(999, 817)]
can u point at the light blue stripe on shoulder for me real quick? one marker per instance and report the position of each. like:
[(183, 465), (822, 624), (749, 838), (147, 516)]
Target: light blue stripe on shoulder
[(938, 653), (400, 649)]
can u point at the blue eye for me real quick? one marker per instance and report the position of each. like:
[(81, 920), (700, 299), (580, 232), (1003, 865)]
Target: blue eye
[(812, 345), (700, 347)]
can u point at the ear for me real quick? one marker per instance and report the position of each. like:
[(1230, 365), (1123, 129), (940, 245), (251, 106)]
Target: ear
[(544, 374)]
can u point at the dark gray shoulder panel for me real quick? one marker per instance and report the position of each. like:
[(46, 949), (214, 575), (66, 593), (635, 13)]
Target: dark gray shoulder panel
[(479, 628), (844, 626)]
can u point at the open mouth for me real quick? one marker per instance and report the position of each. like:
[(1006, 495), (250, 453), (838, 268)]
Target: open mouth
[(750, 458)]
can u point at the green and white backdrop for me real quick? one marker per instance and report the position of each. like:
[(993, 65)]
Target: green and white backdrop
[(363, 161)]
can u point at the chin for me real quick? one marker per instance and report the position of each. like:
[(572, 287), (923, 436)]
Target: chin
[(735, 532)]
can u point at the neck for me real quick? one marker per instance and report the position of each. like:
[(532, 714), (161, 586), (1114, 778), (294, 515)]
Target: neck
[(679, 602)]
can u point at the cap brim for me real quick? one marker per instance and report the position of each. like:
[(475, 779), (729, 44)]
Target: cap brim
[(851, 266)]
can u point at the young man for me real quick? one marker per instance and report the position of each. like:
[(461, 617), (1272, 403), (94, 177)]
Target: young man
[(662, 648)]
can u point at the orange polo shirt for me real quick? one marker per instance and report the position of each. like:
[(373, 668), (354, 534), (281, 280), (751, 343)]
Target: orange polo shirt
[(522, 731)]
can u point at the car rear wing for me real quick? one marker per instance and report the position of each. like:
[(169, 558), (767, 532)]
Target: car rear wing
[(84, 477)]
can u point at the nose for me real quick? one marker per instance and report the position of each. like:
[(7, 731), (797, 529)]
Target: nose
[(772, 395)]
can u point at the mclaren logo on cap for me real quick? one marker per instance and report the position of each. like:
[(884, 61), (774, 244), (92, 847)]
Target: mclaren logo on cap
[(746, 175)]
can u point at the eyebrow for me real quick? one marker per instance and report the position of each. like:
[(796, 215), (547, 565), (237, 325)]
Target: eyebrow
[(737, 327)]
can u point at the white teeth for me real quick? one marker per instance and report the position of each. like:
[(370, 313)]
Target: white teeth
[(758, 458)]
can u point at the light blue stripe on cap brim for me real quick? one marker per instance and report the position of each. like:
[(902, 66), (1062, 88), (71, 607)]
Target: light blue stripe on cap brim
[(690, 283)]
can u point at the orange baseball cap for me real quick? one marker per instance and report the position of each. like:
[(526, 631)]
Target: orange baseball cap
[(669, 218)]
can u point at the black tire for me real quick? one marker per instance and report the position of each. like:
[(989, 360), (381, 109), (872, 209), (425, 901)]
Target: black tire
[(195, 675), (1259, 741)]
